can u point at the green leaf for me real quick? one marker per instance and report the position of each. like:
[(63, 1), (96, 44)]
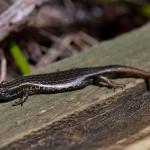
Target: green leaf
[(19, 58)]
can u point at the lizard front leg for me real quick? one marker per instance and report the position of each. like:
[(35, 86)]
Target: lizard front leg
[(22, 100)]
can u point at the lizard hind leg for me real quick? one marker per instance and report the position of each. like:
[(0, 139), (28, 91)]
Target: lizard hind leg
[(109, 83)]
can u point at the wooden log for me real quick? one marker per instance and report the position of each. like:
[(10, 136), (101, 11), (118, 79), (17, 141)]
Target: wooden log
[(91, 118)]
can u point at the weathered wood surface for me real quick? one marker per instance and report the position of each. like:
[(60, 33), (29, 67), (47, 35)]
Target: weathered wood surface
[(91, 118)]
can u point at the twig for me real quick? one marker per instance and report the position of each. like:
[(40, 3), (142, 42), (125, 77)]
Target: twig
[(3, 67), (17, 15)]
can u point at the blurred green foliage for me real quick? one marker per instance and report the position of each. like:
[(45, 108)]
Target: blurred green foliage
[(142, 8), (19, 58), (145, 10)]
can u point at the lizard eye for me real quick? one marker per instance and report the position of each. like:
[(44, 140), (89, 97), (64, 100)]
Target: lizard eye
[(3, 82)]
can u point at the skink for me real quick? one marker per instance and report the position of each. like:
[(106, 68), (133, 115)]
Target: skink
[(65, 81)]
